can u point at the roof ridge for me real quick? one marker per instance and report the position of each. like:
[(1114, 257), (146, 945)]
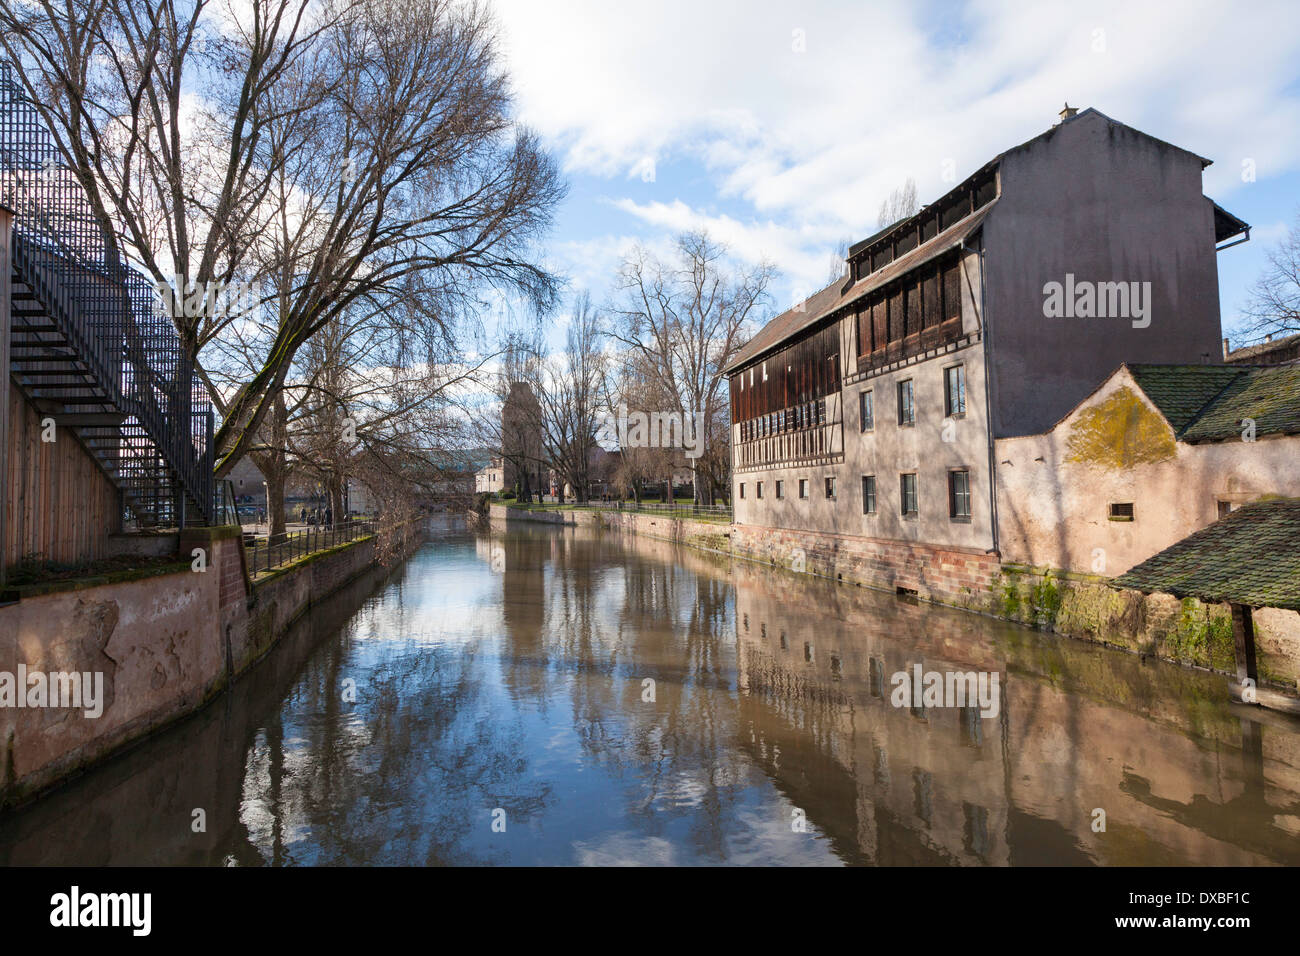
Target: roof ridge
[(1195, 417), (1200, 412)]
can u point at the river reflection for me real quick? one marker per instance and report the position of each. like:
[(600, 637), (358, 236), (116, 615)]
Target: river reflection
[(611, 700)]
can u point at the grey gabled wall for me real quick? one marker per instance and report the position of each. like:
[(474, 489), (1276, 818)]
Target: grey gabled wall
[(1106, 203)]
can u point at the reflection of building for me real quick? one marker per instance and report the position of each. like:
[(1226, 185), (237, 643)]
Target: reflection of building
[(906, 786)]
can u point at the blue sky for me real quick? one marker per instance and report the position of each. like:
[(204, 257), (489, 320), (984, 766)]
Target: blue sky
[(781, 126)]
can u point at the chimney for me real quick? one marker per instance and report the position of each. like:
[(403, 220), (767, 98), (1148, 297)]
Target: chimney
[(1225, 348), (1068, 112)]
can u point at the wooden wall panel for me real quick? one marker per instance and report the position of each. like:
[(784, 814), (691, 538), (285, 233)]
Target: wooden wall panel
[(59, 505)]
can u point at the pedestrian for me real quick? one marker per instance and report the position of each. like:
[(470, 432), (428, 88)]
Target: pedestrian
[(304, 514), (329, 517)]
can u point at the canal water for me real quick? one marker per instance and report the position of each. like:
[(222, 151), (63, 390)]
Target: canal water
[(560, 696)]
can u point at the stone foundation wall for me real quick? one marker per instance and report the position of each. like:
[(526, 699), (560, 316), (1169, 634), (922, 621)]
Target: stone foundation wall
[(1186, 631)]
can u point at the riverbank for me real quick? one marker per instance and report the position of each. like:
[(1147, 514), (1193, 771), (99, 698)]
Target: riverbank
[(1083, 607), (152, 648)]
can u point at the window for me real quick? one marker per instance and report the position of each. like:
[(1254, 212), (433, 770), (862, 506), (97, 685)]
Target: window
[(867, 409), (758, 489), (959, 495), (906, 408), (1122, 511), (907, 494), (1225, 508), (954, 391), (803, 487), (780, 489), (868, 494), (742, 489), (830, 486)]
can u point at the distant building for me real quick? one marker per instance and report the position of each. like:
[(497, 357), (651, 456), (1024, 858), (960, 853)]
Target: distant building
[(248, 480), (491, 479), (1272, 351), (521, 439), (870, 416)]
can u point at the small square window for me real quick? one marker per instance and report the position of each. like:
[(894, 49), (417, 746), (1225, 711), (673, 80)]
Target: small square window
[(907, 495), (868, 494), (830, 486), (867, 410), (803, 487), (906, 407), (1122, 511), (1225, 508)]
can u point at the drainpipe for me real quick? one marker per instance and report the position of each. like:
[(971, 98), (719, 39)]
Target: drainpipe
[(988, 401)]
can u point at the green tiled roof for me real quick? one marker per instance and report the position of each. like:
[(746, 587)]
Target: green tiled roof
[(1271, 396), (1208, 402), (1181, 391), (1250, 557)]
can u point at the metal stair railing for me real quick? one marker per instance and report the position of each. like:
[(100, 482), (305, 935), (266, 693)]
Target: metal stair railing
[(111, 318)]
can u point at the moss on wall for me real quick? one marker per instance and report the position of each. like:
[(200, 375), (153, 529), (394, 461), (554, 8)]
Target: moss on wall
[(1119, 433)]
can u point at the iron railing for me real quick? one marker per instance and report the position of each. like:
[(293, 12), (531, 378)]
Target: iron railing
[(265, 554), (91, 342)]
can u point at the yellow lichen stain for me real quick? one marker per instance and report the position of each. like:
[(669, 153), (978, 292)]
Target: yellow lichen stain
[(1119, 433)]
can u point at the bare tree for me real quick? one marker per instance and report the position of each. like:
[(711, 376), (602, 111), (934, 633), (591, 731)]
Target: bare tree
[(838, 265), (688, 318), (389, 119), (1273, 307), (898, 205), (572, 396)]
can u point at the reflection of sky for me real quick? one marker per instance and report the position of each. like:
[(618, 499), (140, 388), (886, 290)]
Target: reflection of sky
[(459, 712)]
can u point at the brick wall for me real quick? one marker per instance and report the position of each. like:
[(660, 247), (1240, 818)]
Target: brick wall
[(949, 576)]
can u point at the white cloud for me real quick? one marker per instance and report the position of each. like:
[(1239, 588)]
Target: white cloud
[(813, 141)]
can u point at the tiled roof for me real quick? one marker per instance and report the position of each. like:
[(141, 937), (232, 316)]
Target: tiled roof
[(1250, 557), (1209, 402), (1269, 395), (829, 300), (1182, 391)]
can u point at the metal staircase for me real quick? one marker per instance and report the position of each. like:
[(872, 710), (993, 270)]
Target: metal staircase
[(91, 346)]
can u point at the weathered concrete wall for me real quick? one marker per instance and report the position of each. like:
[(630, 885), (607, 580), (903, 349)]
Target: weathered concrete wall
[(1106, 204), (165, 644), (1055, 489)]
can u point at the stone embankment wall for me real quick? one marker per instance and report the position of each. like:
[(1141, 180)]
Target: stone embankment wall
[(166, 643)]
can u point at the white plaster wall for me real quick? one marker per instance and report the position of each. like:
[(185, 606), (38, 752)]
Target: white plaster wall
[(1055, 512)]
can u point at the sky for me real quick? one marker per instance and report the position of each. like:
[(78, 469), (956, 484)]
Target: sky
[(780, 127)]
